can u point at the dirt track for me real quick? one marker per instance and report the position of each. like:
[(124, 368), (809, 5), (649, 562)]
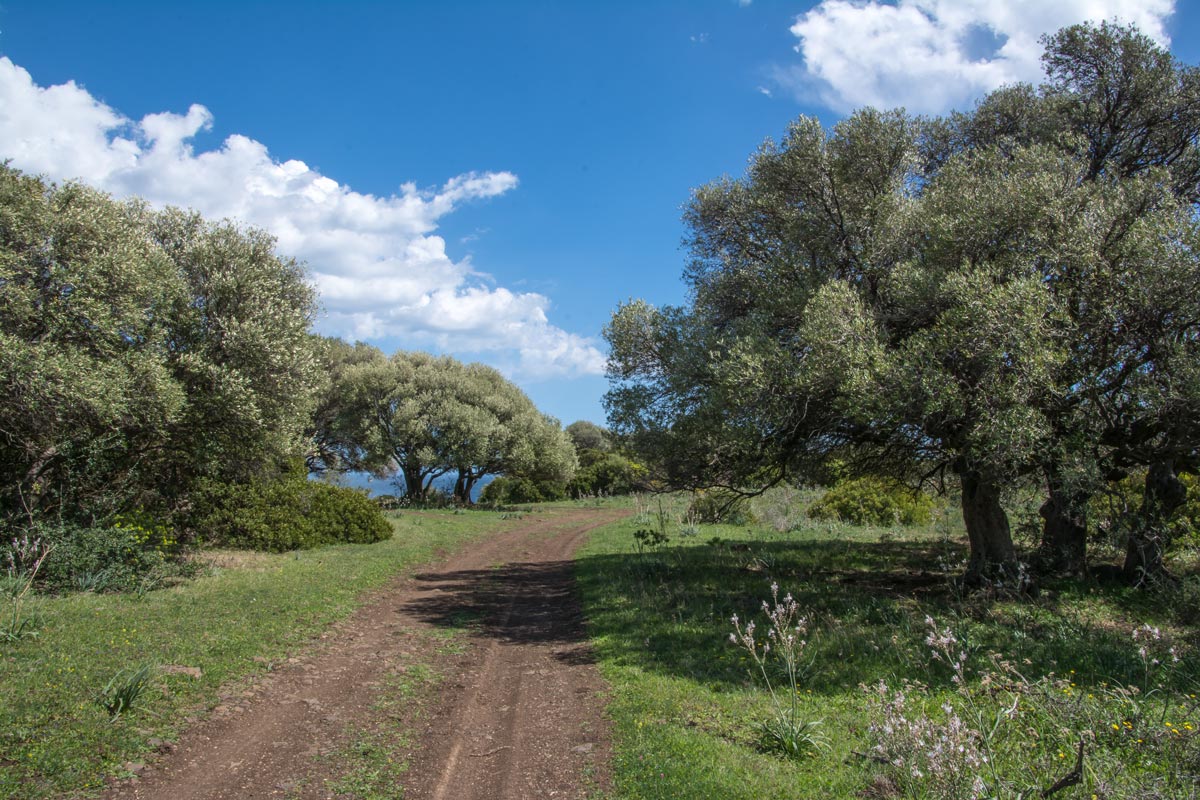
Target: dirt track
[(517, 715)]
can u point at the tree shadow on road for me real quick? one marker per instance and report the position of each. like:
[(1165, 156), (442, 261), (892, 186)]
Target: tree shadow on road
[(517, 603)]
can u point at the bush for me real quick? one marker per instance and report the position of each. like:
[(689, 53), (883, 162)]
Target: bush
[(605, 473), (716, 506), (873, 501), (289, 514), (495, 493), (506, 491), (112, 558)]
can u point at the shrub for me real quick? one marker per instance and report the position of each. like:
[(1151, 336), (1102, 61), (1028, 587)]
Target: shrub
[(495, 493), (112, 558), (339, 514), (505, 491), (873, 501), (716, 506), (606, 473), (289, 514)]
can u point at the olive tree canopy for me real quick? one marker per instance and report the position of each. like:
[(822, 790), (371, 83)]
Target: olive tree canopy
[(140, 351), (1001, 296), (422, 416)]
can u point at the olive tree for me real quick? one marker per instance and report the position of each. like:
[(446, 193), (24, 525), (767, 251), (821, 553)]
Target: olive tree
[(1122, 108), (140, 351), (587, 435), (240, 348), (992, 296), (511, 437), (86, 393), (422, 416)]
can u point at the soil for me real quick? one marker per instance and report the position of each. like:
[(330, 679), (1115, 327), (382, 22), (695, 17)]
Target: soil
[(517, 713)]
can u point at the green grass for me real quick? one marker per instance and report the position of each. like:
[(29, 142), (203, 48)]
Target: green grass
[(687, 707), (251, 610)]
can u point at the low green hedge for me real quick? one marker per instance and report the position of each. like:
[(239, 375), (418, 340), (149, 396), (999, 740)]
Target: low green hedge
[(289, 514)]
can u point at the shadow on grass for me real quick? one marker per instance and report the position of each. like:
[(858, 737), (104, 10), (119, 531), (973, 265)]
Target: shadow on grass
[(518, 603), (669, 612)]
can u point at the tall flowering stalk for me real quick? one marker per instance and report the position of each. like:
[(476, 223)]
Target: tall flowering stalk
[(784, 643), (945, 647)]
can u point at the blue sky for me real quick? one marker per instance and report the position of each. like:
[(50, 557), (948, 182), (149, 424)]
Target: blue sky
[(485, 179)]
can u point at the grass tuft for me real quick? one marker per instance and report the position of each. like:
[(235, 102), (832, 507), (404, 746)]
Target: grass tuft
[(123, 690)]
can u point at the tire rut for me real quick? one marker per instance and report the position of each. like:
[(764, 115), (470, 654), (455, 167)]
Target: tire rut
[(530, 725)]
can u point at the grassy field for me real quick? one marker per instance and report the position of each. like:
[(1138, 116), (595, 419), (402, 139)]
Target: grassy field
[(1035, 680), (250, 610)]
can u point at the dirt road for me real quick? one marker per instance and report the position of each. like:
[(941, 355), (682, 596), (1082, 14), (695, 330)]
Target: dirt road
[(518, 712)]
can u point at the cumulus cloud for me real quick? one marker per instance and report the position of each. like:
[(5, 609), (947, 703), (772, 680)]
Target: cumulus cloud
[(933, 55), (381, 269)]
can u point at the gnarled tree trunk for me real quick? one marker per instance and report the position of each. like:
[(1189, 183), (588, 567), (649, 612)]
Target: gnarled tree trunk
[(1148, 542), (993, 556), (414, 486), (1064, 529), (469, 487), (464, 484)]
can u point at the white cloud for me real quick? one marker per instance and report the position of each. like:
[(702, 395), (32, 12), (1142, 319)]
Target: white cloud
[(933, 55), (377, 262)]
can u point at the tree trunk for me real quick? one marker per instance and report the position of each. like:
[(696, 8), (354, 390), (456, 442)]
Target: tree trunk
[(462, 488), (413, 488), (993, 556), (1148, 542), (470, 487), (1064, 530)]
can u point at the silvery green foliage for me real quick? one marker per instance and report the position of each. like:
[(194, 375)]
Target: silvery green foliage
[(140, 350), (997, 295), (417, 416)]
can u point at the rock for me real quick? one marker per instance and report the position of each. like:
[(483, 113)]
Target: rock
[(178, 669)]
